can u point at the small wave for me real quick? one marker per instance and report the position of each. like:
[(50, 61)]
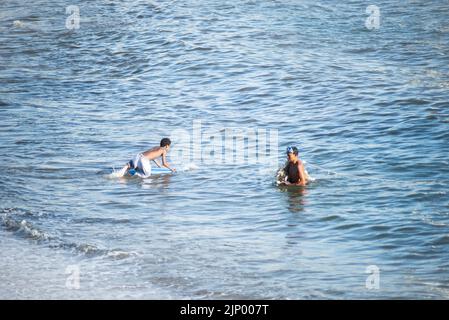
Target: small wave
[(27, 230), (91, 220), (119, 254), (24, 228), (18, 24), (84, 248), (331, 218), (16, 211), (411, 101), (361, 50), (443, 240), (90, 250), (348, 226)]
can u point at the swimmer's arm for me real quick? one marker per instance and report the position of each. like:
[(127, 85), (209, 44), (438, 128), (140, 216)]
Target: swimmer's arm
[(302, 175), (165, 163)]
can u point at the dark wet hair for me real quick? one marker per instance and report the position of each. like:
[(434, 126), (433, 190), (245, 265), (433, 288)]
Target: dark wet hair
[(165, 142), (293, 150)]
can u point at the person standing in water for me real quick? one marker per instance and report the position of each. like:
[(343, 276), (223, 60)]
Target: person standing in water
[(294, 170), (141, 162)]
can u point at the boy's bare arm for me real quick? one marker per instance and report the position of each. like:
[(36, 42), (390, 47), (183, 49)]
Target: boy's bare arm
[(164, 161)]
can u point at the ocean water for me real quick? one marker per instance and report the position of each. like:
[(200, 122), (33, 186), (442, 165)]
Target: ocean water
[(368, 109)]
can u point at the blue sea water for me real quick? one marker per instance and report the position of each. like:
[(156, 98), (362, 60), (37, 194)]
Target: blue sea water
[(368, 109)]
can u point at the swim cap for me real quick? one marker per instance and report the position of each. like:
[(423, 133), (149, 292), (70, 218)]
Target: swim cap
[(292, 150)]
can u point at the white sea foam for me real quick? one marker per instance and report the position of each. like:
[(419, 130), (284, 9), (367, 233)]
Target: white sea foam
[(17, 24), (116, 173)]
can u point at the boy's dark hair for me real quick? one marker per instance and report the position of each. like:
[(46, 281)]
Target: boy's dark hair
[(165, 142)]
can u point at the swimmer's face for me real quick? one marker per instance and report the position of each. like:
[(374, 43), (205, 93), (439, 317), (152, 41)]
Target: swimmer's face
[(291, 157)]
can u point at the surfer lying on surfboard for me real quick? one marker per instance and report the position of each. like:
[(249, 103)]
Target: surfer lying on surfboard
[(294, 170), (141, 162)]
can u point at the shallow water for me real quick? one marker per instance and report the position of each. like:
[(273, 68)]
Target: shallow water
[(368, 110)]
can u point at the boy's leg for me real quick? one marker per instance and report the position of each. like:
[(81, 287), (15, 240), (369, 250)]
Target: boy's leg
[(124, 170), (144, 167)]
